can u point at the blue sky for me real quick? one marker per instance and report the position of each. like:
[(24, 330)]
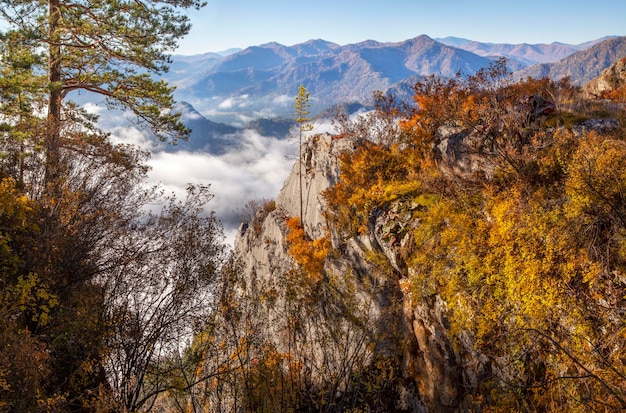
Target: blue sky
[(225, 24)]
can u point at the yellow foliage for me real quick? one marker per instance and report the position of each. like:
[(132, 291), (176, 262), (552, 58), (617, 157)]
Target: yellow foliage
[(32, 295), (596, 197), (16, 211), (14, 204), (372, 175), (597, 177), (530, 260)]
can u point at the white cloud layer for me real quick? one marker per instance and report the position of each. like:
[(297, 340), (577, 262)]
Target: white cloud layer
[(227, 103), (255, 169)]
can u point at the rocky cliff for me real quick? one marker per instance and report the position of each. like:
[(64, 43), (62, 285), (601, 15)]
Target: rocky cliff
[(343, 307), (431, 372), (471, 259)]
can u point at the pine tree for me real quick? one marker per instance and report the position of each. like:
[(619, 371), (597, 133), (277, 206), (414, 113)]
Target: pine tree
[(107, 47), (301, 115)]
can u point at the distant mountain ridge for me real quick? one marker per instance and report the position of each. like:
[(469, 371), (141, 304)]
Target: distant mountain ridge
[(583, 66), (524, 53), (266, 75), (261, 81)]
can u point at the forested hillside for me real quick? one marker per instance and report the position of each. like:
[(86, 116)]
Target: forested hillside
[(583, 66), (516, 222)]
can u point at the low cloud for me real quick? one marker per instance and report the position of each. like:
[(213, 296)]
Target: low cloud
[(240, 102), (255, 169), (94, 108), (283, 100), (265, 113), (120, 126), (187, 115), (133, 136)]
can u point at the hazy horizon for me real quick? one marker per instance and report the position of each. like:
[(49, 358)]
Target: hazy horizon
[(223, 25)]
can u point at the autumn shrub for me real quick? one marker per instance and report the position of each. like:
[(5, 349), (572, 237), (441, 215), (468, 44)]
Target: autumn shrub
[(272, 382), (596, 192), (519, 279), (371, 176), (618, 95)]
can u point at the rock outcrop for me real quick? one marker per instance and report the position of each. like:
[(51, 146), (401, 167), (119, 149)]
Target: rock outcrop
[(610, 80), (320, 170), (265, 252), (434, 375)]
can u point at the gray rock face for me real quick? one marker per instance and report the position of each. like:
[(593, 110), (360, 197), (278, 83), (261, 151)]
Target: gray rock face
[(266, 253), (437, 360), (601, 126), (320, 170), (456, 148)]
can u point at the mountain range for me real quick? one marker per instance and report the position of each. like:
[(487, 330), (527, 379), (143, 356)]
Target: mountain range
[(330, 72), (582, 66), (520, 55), (260, 82)]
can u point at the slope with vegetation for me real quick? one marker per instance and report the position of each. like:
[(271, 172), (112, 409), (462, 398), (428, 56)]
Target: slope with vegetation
[(583, 66), (524, 245), (471, 258)]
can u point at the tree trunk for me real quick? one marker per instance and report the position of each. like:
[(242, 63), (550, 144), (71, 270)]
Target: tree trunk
[(53, 133), (300, 176)]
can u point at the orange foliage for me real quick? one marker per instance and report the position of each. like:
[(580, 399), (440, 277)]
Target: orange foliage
[(438, 103), (365, 178), (309, 254), (618, 94)]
